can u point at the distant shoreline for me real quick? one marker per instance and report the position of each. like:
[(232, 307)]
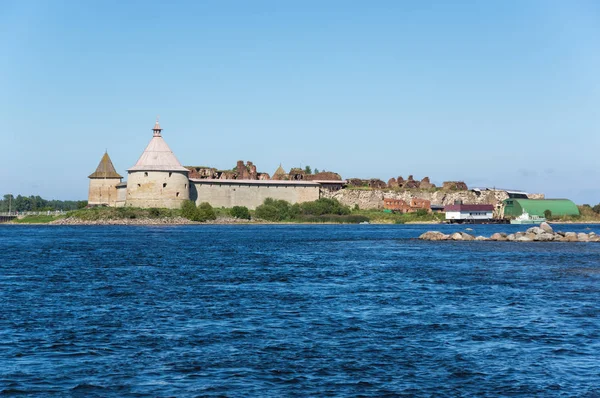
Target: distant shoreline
[(181, 222)]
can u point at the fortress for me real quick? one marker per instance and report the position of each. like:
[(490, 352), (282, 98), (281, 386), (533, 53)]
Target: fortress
[(159, 180)]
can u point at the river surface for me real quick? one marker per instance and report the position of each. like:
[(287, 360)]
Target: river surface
[(308, 310)]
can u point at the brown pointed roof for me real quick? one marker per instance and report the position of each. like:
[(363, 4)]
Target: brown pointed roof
[(105, 169), (279, 171)]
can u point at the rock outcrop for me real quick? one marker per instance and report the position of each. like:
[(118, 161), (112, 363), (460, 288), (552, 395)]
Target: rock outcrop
[(454, 186), (543, 233), (373, 199), (426, 184)]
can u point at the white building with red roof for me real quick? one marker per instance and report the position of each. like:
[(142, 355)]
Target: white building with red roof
[(469, 213)]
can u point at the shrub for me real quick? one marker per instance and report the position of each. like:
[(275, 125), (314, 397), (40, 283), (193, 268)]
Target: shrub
[(154, 212), (316, 211), (273, 210), (204, 212), (324, 206), (240, 212), (268, 213), (421, 212), (188, 209), (596, 208), (548, 214), (294, 211), (123, 212)]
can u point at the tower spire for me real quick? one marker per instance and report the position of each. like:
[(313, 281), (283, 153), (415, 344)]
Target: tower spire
[(157, 130)]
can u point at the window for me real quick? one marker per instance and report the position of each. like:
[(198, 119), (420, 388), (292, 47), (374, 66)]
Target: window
[(164, 185), (177, 194), (146, 174), (170, 174), (139, 185)]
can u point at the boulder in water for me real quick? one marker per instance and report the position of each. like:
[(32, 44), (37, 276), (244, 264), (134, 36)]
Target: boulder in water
[(583, 237), (466, 236), (546, 227), (535, 230), (498, 236), (456, 236), (524, 238), (433, 235)]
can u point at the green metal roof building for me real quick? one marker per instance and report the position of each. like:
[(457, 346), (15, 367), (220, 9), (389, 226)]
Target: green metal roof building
[(537, 207)]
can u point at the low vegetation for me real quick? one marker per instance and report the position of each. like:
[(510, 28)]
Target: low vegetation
[(120, 213), (321, 210), (240, 212), (36, 219), (203, 212)]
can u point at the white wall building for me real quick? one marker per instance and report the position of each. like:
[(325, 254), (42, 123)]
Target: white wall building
[(469, 213)]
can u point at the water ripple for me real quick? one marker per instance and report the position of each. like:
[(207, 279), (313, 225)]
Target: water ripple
[(294, 310)]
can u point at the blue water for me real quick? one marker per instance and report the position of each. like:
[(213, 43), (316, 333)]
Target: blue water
[(358, 310)]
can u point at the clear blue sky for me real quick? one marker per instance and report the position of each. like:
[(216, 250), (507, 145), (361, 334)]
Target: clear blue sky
[(495, 93)]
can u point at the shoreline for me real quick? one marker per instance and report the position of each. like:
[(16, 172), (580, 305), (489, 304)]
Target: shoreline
[(183, 221)]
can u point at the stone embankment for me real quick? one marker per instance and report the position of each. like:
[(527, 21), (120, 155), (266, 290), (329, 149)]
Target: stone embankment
[(149, 221), (543, 233), (124, 221)]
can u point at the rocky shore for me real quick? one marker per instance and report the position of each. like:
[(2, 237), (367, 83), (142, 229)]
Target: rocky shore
[(543, 233), (146, 221)]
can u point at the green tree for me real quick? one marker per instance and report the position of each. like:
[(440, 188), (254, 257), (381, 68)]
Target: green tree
[(316, 171), (307, 170), (324, 206), (188, 209), (268, 213), (596, 208), (204, 212), (241, 212), (548, 214), (273, 210)]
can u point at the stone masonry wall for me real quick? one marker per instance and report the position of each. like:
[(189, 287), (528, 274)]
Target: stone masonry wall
[(373, 199), (250, 195), (161, 189), (103, 191)]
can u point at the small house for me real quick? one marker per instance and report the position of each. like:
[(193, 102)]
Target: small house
[(460, 213)]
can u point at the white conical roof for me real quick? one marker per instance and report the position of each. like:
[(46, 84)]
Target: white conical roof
[(158, 156)]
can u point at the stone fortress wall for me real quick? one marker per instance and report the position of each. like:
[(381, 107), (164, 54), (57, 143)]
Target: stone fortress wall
[(103, 191), (251, 193), (159, 180)]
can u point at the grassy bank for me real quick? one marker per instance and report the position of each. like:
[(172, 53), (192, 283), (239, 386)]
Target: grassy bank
[(37, 219), (121, 213), (321, 211)]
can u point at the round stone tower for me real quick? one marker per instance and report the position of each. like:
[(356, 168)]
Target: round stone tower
[(157, 179), (103, 184)]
